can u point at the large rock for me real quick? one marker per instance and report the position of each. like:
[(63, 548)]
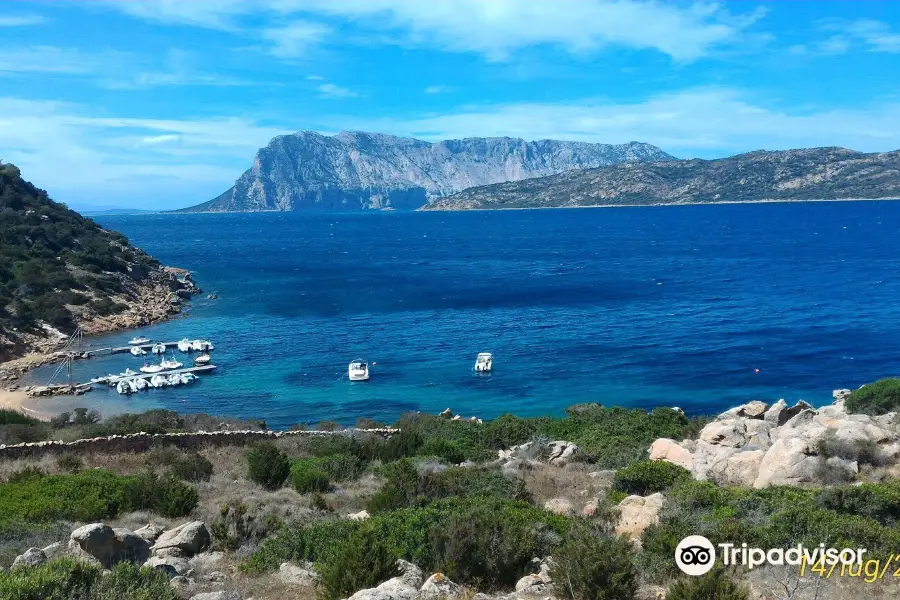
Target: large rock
[(729, 433), (30, 558), (172, 566), (303, 576), (754, 410), (790, 461), (637, 513), (669, 450), (191, 538), (362, 515), (221, 595), (439, 587), (561, 452), (559, 506), (99, 541), (150, 532), (403, 587), (134, 548)]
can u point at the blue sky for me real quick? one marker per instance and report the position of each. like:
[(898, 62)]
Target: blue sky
[(163, 103)]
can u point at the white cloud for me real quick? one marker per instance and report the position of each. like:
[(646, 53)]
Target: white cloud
[(436, 89), (494, 28), (293, 40), (53, 59), (330, 90), (20, 20), (80, 156), (314, 78), (876, 34), (695, 122)]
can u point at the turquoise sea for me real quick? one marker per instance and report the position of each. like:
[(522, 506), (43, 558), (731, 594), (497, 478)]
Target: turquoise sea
[(630, 306)]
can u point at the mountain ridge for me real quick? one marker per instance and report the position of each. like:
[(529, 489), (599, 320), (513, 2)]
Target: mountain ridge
[(356, 170), (828, 173)]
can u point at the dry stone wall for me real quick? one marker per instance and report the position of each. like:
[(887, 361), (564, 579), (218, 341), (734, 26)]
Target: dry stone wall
[(142, 442)]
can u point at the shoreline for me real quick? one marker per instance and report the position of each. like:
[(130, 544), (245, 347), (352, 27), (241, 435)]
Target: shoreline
[(22, 402), (656, 204)]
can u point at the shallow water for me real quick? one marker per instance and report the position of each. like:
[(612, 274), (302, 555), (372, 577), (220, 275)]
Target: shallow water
[(631, 306)]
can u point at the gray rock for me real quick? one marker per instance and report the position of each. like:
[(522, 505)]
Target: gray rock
[(171, 551), (170, 565), (559, 506), (296, 575), (54, 550), (754, 410), (403, 587), (134, 548), (99, 541), (439, 587), (150, 532), (191, 537), (30, 558), (215, 577)]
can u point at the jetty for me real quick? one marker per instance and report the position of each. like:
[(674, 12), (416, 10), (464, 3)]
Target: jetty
[(146, 347), (203, 369)]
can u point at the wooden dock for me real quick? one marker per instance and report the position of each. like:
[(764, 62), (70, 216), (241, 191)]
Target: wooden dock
[(203, 369)]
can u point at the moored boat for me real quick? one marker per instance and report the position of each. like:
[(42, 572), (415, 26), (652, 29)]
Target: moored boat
[(171, 364), (201, 360), (358, 370), (137, 341), (184, 345), (138, 351), (484, 362), (152, 368), (158, 349)]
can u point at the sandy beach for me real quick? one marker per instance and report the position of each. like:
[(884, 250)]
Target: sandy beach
[(20, 401)]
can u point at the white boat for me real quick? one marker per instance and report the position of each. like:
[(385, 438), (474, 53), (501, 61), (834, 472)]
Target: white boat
[(152, 368), (184, 345), (123, 388), (171, 364), (128, 373), (159, 381), (484, 362), (158, 349), (137, 341), (137, 351), (358, 370), (201, 360), (174, 379), (141, 384)]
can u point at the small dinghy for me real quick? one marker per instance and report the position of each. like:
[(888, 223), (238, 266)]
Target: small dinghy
[(159, 381), (137, 351), (137, 341), (123, 388), (201, 360), (358, 370), (184, 345), (484, 362), (141, 384), (158, 349), (152, 368)]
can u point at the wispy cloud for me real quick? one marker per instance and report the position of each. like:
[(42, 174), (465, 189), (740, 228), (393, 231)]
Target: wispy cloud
[(330, 90), (53, 59), (878, 35), (694, 122), (295, 39), (20, 20), (436, 89), (496, 29)]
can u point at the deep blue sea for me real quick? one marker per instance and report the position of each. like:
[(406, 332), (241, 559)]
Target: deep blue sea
[(627, 306)]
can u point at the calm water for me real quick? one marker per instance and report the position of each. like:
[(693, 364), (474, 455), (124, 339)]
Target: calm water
[(631, 306)]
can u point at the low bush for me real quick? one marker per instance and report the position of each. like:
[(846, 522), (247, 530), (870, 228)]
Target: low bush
[(443, 449), (414, 534), (718, 584), (309, 476), (192, 467), (364, 561), (593, 565), (268, 466), (877, 398), (236, 526), (649, 476), (67, 579), (69, 463), (25, 474)]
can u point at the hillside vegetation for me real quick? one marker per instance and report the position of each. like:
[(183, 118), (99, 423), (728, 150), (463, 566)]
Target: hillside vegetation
[(59, 268), (790, 175)]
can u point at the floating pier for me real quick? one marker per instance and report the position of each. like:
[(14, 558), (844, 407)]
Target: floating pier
[(146, 347), (203, 369)]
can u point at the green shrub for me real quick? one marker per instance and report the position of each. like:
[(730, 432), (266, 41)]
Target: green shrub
[(69, 579), (236, 526), (174, 498), (649, 476), (268, 466), (318, 502), (877, 398), (401, 487), (10, 416), (444, 449), (880, 502), (508, 430), (192, 467), (328, 426), (308, 476), (342, 467), (715, 585), (592, 565), (364, 561)]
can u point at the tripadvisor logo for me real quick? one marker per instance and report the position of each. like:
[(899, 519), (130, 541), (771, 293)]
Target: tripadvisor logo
[(695, 555)]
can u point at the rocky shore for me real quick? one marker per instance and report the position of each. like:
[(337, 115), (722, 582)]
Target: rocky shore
[(160, 296)]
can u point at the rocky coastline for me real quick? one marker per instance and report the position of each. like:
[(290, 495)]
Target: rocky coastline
[(161, 296)]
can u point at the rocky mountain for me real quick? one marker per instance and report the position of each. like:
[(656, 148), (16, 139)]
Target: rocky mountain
[(59, 270), (361, 171), (808, 174)]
